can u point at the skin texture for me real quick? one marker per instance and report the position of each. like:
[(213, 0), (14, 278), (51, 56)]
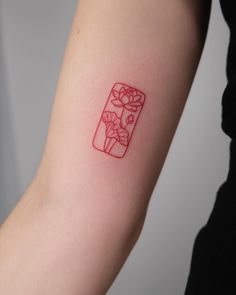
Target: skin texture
[(78, 220)]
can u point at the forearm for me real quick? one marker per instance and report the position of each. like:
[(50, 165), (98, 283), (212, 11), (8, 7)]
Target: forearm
[(81, 216)]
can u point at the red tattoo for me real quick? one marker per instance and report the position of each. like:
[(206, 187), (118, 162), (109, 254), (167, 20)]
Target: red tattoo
[(118, 120)]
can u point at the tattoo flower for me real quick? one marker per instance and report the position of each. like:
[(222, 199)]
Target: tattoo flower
[(127, 98), (118, 120)]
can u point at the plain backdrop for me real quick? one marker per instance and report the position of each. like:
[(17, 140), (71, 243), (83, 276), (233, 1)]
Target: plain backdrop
[(33, 36)]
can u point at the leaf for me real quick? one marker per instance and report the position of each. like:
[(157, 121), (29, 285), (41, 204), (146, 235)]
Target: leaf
[(114, 118), (112, 133), (112, 124), (108, 117), (123, 136), (109, 127)]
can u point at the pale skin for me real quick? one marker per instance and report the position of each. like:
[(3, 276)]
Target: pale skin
[(75, 225)]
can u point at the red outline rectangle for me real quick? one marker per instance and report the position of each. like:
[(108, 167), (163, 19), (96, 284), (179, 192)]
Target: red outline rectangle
[(118, 120)]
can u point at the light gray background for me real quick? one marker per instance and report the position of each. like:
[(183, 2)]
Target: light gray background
[(33, 35)]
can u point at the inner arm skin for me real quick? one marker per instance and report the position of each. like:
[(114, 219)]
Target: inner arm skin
[(83, 212)]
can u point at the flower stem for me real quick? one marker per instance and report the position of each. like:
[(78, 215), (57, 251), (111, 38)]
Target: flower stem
[(121, 115), (106, 143), (122, 112), (111, 145)]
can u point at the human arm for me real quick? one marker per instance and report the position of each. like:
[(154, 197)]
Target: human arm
[(75, 225)]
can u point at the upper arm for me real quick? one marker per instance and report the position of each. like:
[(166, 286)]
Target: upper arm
[(153, 46), (75, 225)]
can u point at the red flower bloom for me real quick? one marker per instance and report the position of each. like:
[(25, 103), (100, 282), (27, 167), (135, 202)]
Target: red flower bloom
[(127, 98)]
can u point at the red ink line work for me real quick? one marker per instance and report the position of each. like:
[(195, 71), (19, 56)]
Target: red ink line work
[(118, 120)]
